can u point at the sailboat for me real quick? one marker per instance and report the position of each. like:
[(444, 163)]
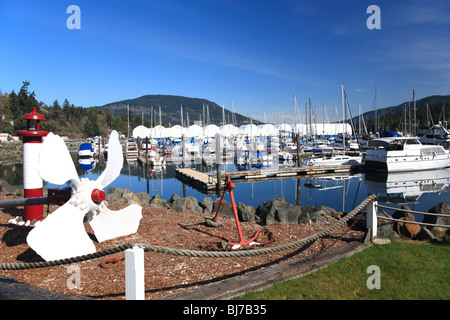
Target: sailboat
[(337, 159)]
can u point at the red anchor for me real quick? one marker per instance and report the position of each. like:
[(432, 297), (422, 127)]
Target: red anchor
[(229, 186)]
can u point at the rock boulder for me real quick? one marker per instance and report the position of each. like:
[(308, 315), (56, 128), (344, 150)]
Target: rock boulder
[(226, 209), (440, 233), (187, 203), (157, 202), (245, 213), (278, 211)]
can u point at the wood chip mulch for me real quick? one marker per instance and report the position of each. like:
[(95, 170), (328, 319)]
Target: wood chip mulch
[(165, 274)]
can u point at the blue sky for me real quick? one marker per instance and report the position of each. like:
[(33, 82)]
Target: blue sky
[(254, 53)]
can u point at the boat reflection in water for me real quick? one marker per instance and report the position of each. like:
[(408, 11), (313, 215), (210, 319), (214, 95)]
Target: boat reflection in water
[(407, 187), (87, 164)]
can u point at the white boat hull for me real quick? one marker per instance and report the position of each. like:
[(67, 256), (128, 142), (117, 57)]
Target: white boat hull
[(85, 154), (403, 161), (336, 160)]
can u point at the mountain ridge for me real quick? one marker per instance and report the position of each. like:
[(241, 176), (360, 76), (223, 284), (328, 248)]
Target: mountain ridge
[(197, 109), (393, 117), (194, 109), (430, 100)]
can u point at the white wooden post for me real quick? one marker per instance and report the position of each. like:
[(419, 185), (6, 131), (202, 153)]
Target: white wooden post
[(134, 274), (372, 219)]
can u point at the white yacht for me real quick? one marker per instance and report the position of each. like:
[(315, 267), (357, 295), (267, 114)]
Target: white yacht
[(399, 154), (131, 149), (437, 135)]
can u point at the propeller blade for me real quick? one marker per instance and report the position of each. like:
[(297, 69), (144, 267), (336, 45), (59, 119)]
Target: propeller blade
[(108, 224), (62, 234), (115, 161), (55, 163)]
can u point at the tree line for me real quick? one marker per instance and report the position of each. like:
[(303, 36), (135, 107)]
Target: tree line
[(80, 122), (403, 119), (66, 119)]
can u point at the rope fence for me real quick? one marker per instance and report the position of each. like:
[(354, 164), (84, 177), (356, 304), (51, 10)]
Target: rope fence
[(414, 212), (372, 217)]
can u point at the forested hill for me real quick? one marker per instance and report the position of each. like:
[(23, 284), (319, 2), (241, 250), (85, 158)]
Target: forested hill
[(194, 109), (431, 109), (73, 121)]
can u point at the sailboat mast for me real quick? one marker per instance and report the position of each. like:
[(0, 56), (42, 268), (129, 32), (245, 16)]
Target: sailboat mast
[(310, 128), (203, 119), (233, 116), (359, 119), (376, 111), (306, 117), (323, 122), (404, 125), (181, 115), (415, 123), (151, 117), (343, 112)]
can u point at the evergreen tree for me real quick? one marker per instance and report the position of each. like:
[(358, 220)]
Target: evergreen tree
[(56, 110), (20, 105), (66, 110), (91, 127)]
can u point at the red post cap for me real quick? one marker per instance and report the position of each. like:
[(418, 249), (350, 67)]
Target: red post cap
[(97, 195)]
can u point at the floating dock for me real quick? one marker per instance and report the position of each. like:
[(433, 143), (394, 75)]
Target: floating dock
[(199, 180), (207, 182)]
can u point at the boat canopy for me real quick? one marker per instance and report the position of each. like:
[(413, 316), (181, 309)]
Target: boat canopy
[(158, 132), (267, 129), (141, 131), (251, 130), (390, 134), (284, 127), (175, 132), (194, 131), (229, 130), (86, 146), (210, 130)]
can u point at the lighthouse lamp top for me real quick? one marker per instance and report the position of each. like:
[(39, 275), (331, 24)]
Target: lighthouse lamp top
[(33, 115)]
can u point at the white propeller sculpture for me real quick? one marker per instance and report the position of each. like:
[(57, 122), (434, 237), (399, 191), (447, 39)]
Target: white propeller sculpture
[(62, 234)]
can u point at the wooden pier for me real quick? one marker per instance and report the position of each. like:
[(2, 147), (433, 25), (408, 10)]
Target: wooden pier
[(207, 182), (199, 180)]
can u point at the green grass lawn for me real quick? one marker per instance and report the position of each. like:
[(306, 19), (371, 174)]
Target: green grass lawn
[(408, 270)]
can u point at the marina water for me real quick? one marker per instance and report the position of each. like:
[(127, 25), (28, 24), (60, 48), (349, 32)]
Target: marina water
[(419, 190)]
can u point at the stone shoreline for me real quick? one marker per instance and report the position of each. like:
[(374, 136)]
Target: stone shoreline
[(272, 211), (279, 211)]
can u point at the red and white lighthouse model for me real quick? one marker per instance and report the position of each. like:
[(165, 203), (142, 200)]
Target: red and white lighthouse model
[(32, 182)]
